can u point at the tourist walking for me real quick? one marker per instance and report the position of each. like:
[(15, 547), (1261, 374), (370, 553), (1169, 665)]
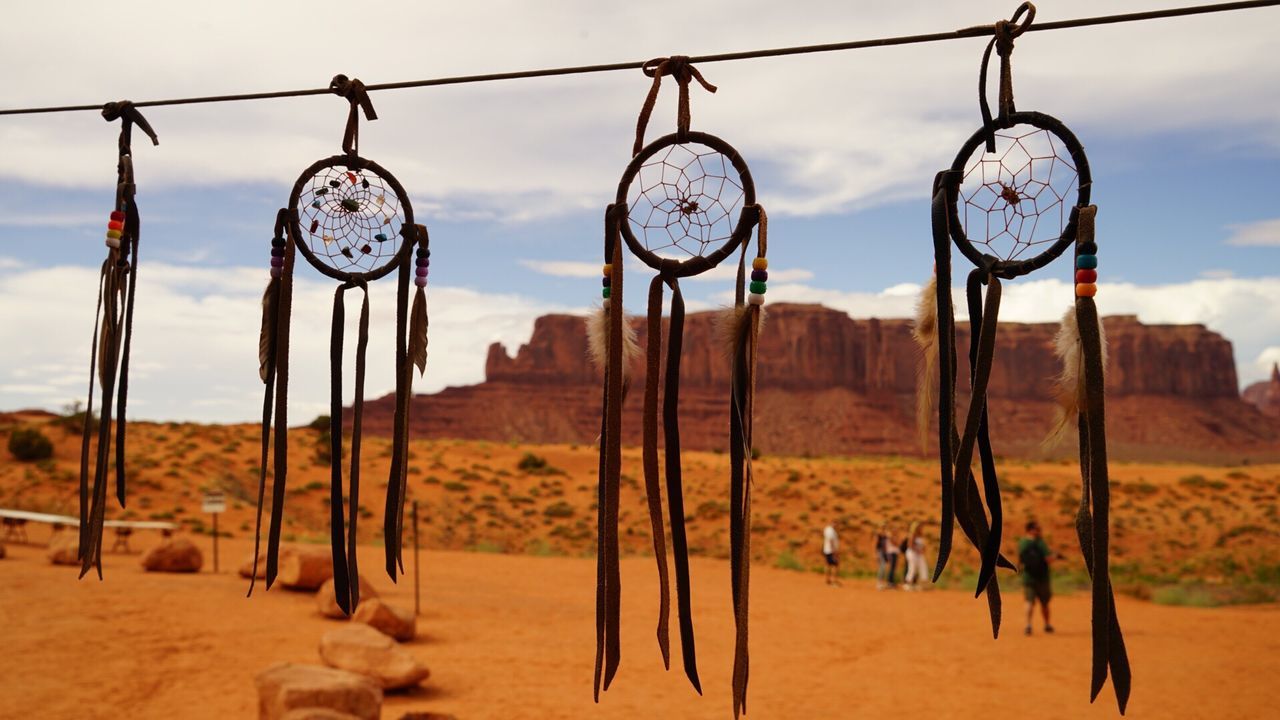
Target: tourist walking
[(830, 552), (1034, 557)]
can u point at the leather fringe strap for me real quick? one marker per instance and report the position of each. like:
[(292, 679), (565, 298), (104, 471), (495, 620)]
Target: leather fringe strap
[(1093, 516), (280, 447), (343, 532), (268, 342), (1002, 42), (945, 186), (652, 477), (608, 576), (411, 351)]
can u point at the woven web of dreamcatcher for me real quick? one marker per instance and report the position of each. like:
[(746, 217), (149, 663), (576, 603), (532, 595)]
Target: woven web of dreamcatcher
[(350, 219), (1018, 198), (685, 201)]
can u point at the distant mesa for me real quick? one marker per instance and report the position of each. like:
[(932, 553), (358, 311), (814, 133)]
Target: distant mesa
[(833, 385), (1265, 395)]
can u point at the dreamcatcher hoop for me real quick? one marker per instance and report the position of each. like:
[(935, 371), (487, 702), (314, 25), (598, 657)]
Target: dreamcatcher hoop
[(965, 160), (747, 218), (307, 236)]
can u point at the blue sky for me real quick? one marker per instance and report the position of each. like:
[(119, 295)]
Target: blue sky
[(1180, 120)]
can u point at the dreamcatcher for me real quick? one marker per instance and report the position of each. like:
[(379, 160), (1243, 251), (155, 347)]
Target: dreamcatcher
[(1010, 210), (112, 337), (685, 203), (352, 221)]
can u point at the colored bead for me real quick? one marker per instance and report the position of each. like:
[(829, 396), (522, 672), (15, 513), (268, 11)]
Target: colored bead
[(1089, 248), (421, 272), (380, 237), (1086, 276), (757, 287), (277, 242), (334, 183), (607, 281), (755, 299), (115, 225), (113, 233), (420, 282), (423, 262), (277, 262), (315, 204), (351, 176), (760, 264), (276, 272), (322, 191), (314, 224), (113, 242), (604, 293), (608, 269), (606, 303), (424, 252), (759, 275), (364, 183), (350, 204), (277, 252), (117, 216), (1086, 262), (366, 249), (1086, 290)]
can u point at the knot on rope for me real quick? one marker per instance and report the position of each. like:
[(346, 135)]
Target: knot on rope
[(129, 115), (683, 71), (1004, 32), (355, 93)]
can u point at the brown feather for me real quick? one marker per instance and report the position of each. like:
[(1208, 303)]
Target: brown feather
[(267, 336), (925, 331), (418, 332), (1068, 387), (598, 341)]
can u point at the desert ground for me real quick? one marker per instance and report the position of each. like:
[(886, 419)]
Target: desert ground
[(508, 585), (512, 636)]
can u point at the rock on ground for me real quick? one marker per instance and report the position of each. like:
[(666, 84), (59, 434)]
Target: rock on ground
[(177, 556), (64, 549), (317, 714), (305, 569), (1, 551), (286, 688), (387, 619), (361, 649), (327, 601)]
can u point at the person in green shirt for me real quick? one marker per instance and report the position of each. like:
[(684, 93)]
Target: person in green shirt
[(1034, 557)]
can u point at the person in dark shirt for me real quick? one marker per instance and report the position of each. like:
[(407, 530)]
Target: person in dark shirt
[(1034, 557)]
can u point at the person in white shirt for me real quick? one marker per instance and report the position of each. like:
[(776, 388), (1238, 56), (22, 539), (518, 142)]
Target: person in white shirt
[(916, 568), (830, 548)]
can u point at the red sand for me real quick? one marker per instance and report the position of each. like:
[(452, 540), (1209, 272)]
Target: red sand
[(513, 637)]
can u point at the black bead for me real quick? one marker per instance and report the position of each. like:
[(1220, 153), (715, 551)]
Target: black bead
[(277, 242), (1088, 248), (424, 252)]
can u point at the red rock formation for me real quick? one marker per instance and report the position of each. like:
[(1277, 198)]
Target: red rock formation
[(831, 384), (1265, 395)]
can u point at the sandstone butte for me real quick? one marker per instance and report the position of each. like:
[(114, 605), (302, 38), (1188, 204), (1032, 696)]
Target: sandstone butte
[(832, 384)]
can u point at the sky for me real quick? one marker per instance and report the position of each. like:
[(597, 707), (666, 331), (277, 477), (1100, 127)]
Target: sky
[(1180, 119)]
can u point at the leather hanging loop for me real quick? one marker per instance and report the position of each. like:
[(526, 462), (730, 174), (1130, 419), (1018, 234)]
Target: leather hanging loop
[(355, 93), (128, 114), (1005, 31), (678, 67)]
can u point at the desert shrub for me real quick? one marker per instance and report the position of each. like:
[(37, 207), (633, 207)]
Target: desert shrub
[(455, 486), (558, 510), (29, 444), (787, 561), (320, 423), (537, 465)]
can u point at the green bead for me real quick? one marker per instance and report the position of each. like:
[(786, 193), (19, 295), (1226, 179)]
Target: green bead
[(604, 292), (757, 287)]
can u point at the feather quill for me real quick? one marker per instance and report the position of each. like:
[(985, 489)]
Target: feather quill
[(1068, 387), (925, 332), (418, 332), (267, 336)]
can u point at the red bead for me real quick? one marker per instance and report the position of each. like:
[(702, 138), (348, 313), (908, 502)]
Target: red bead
[(115, 225), (1086, 276), (117, 216)]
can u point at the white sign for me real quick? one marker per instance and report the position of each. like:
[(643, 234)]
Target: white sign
[(214, 503)]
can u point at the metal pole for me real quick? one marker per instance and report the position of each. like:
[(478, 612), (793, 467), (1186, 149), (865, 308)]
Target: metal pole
[(215, 542), (417, 577)]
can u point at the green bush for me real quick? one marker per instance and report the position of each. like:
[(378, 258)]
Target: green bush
[(560, 509), (29, 444)]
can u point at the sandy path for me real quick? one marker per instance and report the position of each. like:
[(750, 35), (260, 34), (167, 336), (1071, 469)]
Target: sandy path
[(513, 637)]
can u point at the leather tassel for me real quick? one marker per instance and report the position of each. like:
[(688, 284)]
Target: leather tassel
[(267, 372), (925, 332), (280, 448), (747, 327), (652, 477), (945, 185), (267, 335), (397, 479)]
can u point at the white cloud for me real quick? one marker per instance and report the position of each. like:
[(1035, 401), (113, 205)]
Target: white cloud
[(564, 268), (721, 273), (196, 339), (844, 130), (1263, 232)]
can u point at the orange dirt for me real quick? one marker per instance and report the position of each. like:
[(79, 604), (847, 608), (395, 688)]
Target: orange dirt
[(510, 636)]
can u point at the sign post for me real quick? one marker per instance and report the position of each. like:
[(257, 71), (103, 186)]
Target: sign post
[(214, 503)]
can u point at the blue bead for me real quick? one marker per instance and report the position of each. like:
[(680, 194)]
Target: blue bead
[(1086, 262), (380, 237)]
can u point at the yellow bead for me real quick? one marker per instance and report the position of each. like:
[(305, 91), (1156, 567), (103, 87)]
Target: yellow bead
[(760, 264), (113, 233), (608, 269)]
